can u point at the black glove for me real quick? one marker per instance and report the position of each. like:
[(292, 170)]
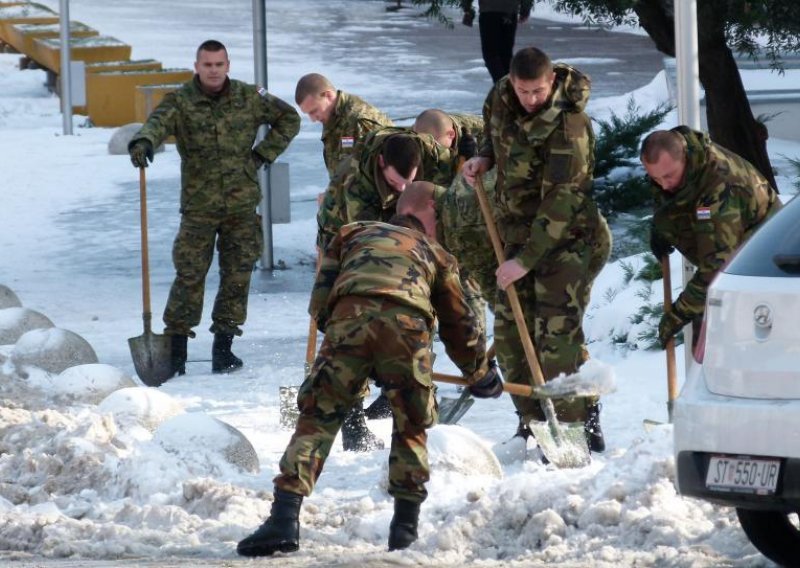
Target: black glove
[(140, 151), (659, 246), (259, 159), (488, 386), (467, 145), (468, 18)]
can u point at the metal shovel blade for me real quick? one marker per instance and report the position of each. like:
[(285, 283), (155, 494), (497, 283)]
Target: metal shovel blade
[(151, 355), (452, 409), (566, 447)]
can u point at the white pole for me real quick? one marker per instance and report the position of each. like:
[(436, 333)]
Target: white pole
[(260, 58), (688, 75), (66, 84)]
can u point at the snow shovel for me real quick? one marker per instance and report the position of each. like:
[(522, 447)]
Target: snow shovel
[(452, 409), (151, 353), (669, 350), (563, 445), (288, 394)]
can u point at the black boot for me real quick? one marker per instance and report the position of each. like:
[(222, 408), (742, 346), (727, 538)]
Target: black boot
[(222, 360), (523, 430), (356, 437), (178, 354), (594, 435), (280, 532), (380, 408), (403, 529)]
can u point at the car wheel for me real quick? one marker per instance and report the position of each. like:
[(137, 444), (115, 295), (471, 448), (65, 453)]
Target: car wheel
[(775, 534)]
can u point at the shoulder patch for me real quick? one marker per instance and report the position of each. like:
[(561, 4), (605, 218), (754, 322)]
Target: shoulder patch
[(348, 141), (262, 91)]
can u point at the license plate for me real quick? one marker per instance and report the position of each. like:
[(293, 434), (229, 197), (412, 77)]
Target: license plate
[(743, 474)]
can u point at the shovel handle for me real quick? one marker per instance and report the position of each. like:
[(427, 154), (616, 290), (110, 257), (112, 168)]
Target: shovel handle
[(311, 343), (510, 388), (672, 383), (146, 313), (511, 291)]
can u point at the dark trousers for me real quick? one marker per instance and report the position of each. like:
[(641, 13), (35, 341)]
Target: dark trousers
[(497, 41)]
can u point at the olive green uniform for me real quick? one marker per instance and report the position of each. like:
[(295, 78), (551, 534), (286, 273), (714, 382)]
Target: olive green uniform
[(376, 296), (358, 192), (723, 199), (352, 119), (219, 193)]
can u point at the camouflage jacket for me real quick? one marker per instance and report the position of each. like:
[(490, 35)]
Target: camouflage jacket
[(215, 136), (378, 260), (462, 231), (544, 164), (359, 192), (722, 200), (352, 119)]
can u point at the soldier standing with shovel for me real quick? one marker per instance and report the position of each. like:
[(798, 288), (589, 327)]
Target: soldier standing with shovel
[(215, 120)]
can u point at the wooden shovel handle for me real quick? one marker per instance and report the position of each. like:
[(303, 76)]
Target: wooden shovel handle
[(511, 388), (145, 250), (311, 343), (511, 291), (672, 383)]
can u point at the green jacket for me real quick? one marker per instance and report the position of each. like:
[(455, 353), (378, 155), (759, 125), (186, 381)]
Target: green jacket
[(215, 136), (377, 260), (462, 231), (359, 192), (723, 199), (352, 119), (544, 167)]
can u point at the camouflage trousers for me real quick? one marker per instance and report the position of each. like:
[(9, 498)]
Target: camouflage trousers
[(366, 337), (239, 242), (553, 298)]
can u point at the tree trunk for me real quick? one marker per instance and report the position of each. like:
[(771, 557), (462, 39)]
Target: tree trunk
[(730, 119)]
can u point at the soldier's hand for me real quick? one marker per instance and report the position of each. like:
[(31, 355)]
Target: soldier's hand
[(467, 145), (141, 151), (669, 326), (469, 17), (659, 246), (475, 167), (258, 159), (489, 385)]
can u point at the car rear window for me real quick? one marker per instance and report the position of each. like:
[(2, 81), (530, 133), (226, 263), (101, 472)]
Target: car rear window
[(774, 249)]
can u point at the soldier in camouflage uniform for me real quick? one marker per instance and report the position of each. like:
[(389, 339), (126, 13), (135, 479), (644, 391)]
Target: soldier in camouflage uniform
[(541, 141), (379, 289), (214, 120), (458, 132), (707, 202), (345, 118), (380, 167)]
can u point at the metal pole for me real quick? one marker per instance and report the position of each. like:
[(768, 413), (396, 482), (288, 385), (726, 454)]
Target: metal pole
[(688, 79), (260, 57), (66, 84)]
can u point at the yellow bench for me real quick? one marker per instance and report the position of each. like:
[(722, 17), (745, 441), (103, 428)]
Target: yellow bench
[(111, 96), (26, 13), (22, 36), (47, 51), (129, 65)]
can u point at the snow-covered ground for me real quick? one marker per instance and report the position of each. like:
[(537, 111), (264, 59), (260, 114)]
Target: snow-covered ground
[(85, 480)]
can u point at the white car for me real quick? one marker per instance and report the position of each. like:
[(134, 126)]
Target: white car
[(737, 419)]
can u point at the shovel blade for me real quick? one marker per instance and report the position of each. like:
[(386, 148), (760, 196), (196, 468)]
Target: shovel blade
[(452, 409), (562, 443), (151, 355)]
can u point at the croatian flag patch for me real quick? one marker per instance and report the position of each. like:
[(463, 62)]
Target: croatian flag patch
[(262, 91), (348, 141), (703, 213)]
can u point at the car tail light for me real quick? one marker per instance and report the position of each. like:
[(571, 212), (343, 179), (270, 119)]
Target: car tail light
[(699, 350)]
